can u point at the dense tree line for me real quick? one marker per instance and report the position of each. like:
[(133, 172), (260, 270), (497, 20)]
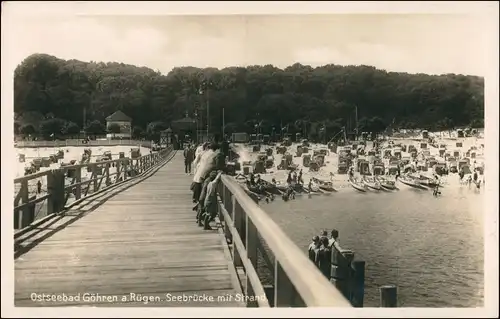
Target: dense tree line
[(51, 95)]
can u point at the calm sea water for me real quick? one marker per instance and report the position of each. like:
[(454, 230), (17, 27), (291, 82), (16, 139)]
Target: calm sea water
[(431, 248)]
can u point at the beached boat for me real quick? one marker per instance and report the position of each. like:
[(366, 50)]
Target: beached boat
[(371, 183), (407, 180), (314, 187), (326, 186), (357, 186), (387, 184), (427, 181)]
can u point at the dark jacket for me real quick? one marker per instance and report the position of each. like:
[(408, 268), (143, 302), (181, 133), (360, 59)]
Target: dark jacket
[(323, 260), (189, 155), (220, 161)]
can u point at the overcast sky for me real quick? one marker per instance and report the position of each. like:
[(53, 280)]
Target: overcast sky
[(442, 43)]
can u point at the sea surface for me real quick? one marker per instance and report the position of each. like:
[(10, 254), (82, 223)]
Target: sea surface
[(432, 248)]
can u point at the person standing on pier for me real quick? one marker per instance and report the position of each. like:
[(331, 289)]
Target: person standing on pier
[(205, 165), (198, 154), (313, 247), (324, 257), (334, 237), (210, 201), (200, 207), (188, 158)]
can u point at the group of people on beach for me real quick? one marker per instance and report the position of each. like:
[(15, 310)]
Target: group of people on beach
[(208, 162), (320, 250)]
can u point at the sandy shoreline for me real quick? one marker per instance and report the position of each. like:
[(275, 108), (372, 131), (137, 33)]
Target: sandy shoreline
[(340, 181)]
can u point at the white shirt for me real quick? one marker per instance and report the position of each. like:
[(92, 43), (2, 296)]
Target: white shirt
[(331, 241), (205, 164), (197, 156), (198, 151)]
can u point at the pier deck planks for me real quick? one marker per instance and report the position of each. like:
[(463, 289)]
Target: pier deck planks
[(144, 240)]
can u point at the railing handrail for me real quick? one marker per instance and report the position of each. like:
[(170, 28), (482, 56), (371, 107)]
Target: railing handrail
[(312, 286), (66, 167), (78, 142)]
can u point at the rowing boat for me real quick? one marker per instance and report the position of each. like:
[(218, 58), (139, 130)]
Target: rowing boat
[(357, 186), (387, 184), (411, 182), (372, 183)]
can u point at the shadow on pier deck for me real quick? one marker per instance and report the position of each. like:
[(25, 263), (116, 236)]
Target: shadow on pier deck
[(141, 247)]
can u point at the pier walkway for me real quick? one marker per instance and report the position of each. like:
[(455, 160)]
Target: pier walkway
[(142, 241), (130, 239)]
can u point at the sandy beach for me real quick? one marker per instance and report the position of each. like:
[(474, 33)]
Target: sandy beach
[(328, 172)]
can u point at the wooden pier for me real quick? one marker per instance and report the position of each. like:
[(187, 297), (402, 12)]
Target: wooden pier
[(137, 243)]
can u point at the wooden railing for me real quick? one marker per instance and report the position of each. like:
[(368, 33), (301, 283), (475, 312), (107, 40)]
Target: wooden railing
[(296, 281), (46, 193), (80, 142)]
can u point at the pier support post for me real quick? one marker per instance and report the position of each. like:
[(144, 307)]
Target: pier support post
[(358, 283), (341, 271), (55, 188), (78, 180), (237, 220), (388, 296)]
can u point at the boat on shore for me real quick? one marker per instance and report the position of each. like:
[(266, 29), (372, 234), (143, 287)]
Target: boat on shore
[(427, 181), (357, 185), (387, 184), (325, 186), (409, 181), (372, 183)]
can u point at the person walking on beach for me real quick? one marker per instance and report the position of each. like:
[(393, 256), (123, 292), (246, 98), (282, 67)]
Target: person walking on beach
[(461, 175)]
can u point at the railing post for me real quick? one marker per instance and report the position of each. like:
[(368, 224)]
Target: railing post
[(23, 213), (55, 188), (251, 248), (118, 171), (125, 170), (236, 216), (94, 174), (106, 173), (78, 180), (251, 241), (284, 291), (340, 271), (228, 204)]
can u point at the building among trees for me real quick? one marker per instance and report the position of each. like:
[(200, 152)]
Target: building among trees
[(119, 124)]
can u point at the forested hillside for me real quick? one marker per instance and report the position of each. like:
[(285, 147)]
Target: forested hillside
[(51, 94)]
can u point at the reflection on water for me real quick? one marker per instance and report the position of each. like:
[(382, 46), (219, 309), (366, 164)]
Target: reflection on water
[(431, 248)]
